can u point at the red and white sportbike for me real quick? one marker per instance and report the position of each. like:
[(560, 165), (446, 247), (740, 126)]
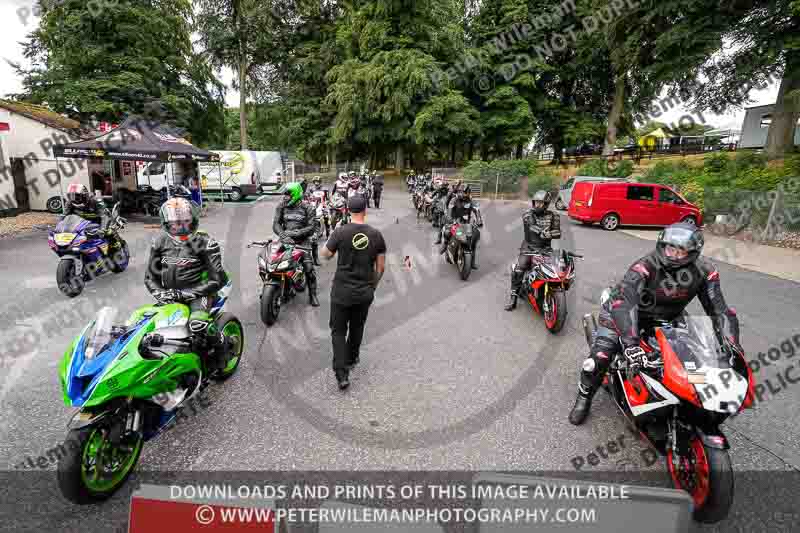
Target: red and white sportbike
[(678, 396), (546, 284)]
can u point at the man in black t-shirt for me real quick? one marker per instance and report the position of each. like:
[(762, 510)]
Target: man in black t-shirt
[(362, 256)]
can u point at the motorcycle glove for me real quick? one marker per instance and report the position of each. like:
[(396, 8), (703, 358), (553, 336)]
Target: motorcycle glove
[(164, 296), (186, 295)]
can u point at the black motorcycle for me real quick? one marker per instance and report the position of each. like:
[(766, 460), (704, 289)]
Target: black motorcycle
[(280, 266), (459, 247)]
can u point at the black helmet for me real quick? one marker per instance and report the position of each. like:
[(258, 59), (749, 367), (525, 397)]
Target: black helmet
[(681, 236), (540, 196)]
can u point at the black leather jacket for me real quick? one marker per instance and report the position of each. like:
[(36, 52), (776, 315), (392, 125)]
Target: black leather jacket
[(93, 210), (299, 222), (650, 292), (194, 265), (457, 208), (540, 230)]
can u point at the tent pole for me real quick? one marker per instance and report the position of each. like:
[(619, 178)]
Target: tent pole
[(61, 188)]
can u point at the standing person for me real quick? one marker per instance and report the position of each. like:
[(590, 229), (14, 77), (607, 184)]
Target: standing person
[(377, 189), (359, 269)]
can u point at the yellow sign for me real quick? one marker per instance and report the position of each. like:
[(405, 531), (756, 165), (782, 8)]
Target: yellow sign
[(62, 239)]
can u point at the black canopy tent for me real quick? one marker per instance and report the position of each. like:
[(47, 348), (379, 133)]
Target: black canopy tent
[(136, 139)]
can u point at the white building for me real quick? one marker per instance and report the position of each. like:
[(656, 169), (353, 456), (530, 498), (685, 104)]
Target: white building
[(27, 157), (756, 125)]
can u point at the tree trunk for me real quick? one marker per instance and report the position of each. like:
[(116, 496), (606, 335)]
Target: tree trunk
[(780, 136), (470, 148), (518, 152), (614, 115), (400, 158), (558, 148), (453, 153), (242, 104)]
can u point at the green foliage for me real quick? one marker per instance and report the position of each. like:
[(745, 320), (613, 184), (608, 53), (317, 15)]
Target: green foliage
[(505, 174), (716, 162), (543, 179), (600, 167), (135, 57)]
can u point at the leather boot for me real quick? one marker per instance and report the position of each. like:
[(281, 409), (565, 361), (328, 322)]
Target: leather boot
[(583, 403), (438, 238), (315, 255), (475, 259), (312, 291), (511, 304)]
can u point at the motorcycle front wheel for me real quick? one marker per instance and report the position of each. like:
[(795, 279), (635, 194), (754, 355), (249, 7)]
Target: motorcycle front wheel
[(464, 264), (270, 304), (93, 468), (556, 315), (707, 475), (70, 283)]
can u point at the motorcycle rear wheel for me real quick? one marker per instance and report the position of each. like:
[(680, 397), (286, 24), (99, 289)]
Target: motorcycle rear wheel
[(231, 328), (270, 304), (124, 256), (712, 487)]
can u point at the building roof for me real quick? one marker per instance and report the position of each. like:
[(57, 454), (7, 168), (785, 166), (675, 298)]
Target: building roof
[(757, 106), (41, 114)]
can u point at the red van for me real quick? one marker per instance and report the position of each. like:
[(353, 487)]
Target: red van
[(636, 204)]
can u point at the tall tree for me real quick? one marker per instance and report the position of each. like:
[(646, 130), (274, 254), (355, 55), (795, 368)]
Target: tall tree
[(240, 34), (392, 50), (134, 55), (763, 39)]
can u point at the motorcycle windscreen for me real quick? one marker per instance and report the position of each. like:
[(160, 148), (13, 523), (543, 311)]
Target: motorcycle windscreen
[(705, 365), (70, 224), (99, 335)]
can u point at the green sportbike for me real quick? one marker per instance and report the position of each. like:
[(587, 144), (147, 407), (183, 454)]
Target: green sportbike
[(130, 382)]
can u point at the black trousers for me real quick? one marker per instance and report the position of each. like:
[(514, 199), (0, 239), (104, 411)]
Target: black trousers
[(376, 193), (347, 330)]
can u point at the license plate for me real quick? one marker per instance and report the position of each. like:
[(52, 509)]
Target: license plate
[(62, 239)]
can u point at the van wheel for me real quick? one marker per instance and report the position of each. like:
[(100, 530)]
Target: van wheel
[(560, 205), (689, 220), (610, 222), (236, 194)]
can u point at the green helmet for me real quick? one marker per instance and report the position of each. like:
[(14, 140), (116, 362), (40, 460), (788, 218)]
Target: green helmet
[(293, 192)]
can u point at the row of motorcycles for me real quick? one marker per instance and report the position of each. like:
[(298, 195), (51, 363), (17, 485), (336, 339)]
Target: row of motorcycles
[(131, 381), (693, 378)]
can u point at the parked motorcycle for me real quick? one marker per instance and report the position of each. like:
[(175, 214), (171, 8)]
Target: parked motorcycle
[(280, 266), (459, 247), (84, 252), (129, 383), (427, 207), (545, 286), (678, 396)]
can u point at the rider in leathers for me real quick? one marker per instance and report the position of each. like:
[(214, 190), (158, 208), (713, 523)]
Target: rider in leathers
[(457, 209), (185, 266), (316, 185), (296, 222), (80, 202), (541, 227), (656, 287)]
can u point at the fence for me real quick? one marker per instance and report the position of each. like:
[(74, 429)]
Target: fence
[(758, 215), (639, 153)]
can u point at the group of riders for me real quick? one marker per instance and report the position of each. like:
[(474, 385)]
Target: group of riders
[(185, 263), (656, 288)]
